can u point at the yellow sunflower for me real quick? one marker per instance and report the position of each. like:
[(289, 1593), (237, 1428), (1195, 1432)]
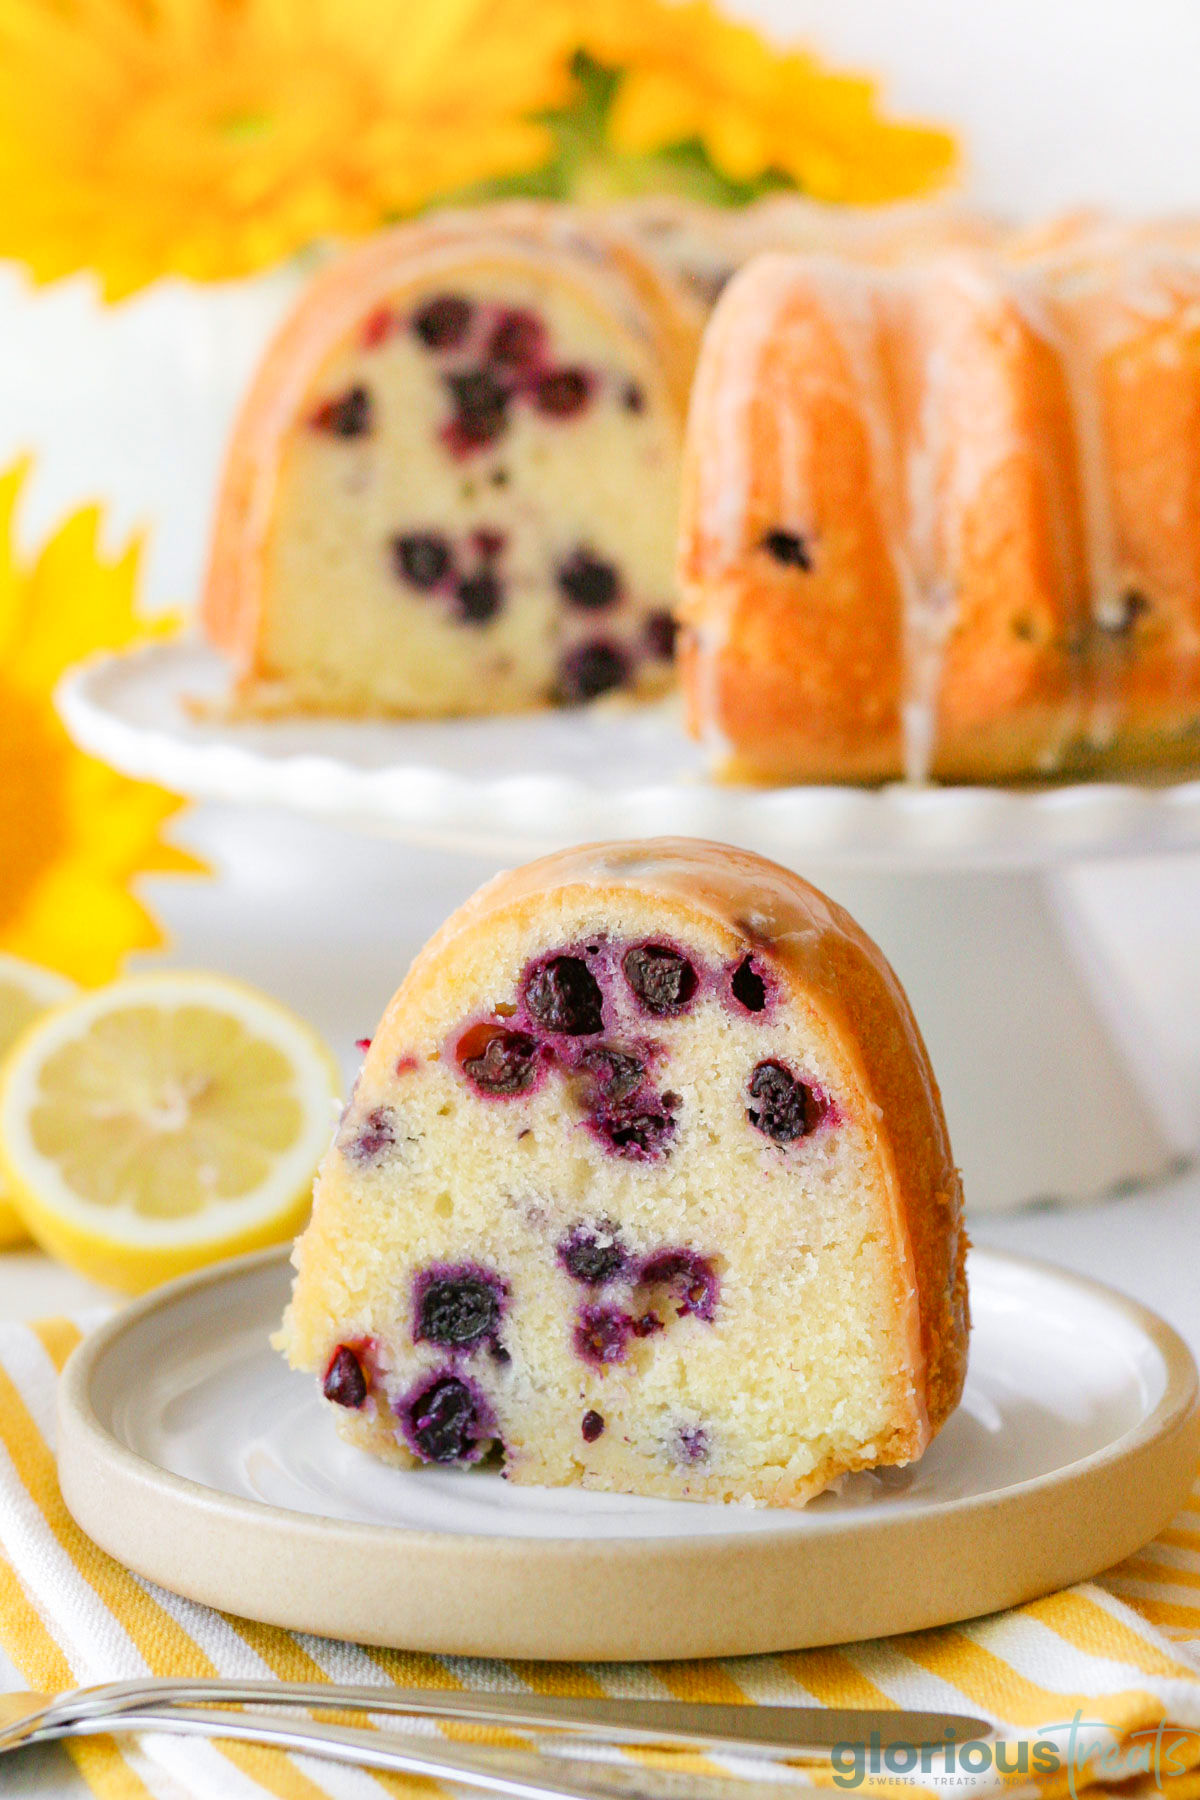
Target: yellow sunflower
[(72, 833), (211, 138), (689, 74)]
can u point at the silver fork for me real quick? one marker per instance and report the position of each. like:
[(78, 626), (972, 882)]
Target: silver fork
[(187, 1708)]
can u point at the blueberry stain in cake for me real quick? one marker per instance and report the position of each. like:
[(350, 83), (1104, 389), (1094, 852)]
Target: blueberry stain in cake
[(691, 1444), (488, 542), (517, 339), (457, 1306), (661, 634), (350, 415), (594, 1254), (748, 986), (592, 1426), (368, 1140), (662, 979), (632, 398), (478, 597), (345, 1382), (377, 328), (443, 322), (588, 582), (498, 1062), (563, 996), (788, 548), (447, 1420), (691, 1279), (480, 410), (591, 670), (561, 393), (422, 558), (602, 1334), (781, 1105)]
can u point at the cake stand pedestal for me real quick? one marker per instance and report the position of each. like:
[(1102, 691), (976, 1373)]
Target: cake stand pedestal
[(1059, 1083)]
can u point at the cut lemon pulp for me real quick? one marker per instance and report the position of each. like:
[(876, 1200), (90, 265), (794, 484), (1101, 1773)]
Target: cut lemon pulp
[(25, 991), (162, 1123)]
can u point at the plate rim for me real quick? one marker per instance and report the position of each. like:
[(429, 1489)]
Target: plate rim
[(910, 827), (105, 1483)]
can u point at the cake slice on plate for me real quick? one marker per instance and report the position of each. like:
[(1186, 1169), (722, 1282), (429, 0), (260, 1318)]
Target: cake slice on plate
[(644, 1185)]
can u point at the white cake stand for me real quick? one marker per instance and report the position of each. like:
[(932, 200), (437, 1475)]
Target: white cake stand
[(1055, 1085)]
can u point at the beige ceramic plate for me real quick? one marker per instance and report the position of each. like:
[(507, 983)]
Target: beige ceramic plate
[(190, 1452)]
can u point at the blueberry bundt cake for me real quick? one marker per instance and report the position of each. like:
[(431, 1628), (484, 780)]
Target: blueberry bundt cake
[(939, 519), (453, 487), (644, 1185)]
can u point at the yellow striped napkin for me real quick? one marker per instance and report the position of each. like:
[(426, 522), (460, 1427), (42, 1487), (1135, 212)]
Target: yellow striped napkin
[(1103, 1679)]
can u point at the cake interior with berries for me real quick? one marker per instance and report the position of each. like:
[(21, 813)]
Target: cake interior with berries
[(644, 1185), (453, 486)]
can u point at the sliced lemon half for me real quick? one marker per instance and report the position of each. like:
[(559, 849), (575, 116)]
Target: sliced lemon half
[(162, 1123), (26, 990)]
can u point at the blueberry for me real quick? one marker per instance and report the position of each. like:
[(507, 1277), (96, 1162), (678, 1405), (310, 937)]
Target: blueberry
[(349, 416), (564, 996), (447, 1421), (516, 339), (663, 980), (592, 669), (789, 549), (561, 393), (589, 582), (661, 635), (785, 1108), (602, 1334), (457, 1307), (692, 1279), (443, 323), (344, 1383), (1133, 606), (748, 987), (498, 1061), (422, 558), (616, 1074), (640, 1136), (480, 408), (478, 597), (593, 1256), (592, 1426), (369, 1140)]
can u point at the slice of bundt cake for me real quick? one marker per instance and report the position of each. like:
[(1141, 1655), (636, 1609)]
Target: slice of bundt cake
[(644, 1185), (454, 483)]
